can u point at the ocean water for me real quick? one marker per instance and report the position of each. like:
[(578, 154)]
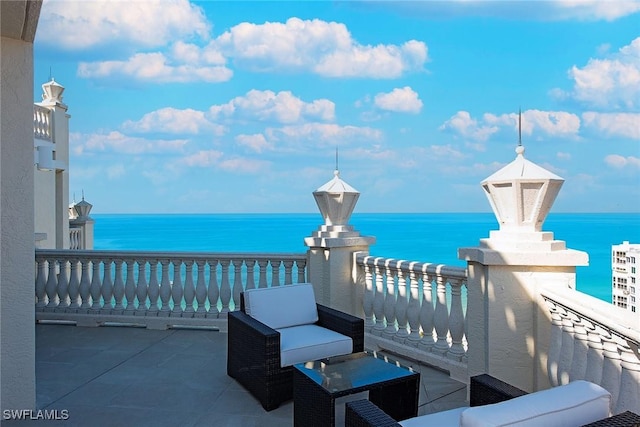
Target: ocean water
[(429, 237)]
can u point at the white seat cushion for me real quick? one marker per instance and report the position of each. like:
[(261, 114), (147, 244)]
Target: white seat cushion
[(304, 343), (574, 404), (440, 419), (282, 306)]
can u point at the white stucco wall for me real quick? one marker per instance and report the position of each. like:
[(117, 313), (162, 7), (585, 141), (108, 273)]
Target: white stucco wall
[(17, 315), (45, 206)]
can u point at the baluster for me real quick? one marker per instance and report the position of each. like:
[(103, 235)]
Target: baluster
[(611, 367), (275, 272), (595, 354), (189, 289), (225, 287), (456, 321), (378, 301), (201, 290), (74, 287), (566, 349), (251, 280), (629, 395), (262, 281), (580, 348), (555, 343), (63, 286), (176, 288), (237, 282), (288, 276), (130, 288), (52, 285), (213, 292), (165, 288), (154, 288), (367, 298), (401, 305), (427, 312), (107, 288), (441, 316), (96, 288), (85, 287), (413, 310), (143, 289), (390, 302), (118, 288), (41, 284), (301, 265)]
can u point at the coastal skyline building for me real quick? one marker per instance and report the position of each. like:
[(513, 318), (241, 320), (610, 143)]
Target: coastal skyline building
[(625, 259)]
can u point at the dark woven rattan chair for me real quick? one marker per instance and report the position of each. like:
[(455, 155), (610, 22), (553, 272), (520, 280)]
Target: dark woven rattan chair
[(484, 390), (253, 355)]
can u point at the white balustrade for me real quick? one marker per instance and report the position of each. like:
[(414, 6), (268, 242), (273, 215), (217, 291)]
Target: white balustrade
[(75, 238), (595, 341), (42, 123), (405, 313), (155, 289)]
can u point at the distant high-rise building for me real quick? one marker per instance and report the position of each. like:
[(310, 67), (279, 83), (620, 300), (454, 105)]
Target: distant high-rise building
[(625, 261)]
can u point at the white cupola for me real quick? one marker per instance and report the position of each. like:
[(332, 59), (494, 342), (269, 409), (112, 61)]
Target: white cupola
[(521, 194), (336, 200), (52, 93)]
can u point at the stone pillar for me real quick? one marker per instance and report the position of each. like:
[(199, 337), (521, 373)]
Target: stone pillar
[(52, 172), (82, 219), (332, 248), (508, 322), (17, 276)]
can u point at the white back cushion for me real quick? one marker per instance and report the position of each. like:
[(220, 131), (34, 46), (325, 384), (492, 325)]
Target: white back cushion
[(282, 306), (574, 404)]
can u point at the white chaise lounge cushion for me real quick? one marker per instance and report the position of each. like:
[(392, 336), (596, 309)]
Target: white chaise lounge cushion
[(300, 344), (573, 404), (437, 419), (282, 306)]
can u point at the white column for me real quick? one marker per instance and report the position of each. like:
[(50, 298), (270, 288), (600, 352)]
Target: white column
[(509, 324), (17, 276), (331, 270)]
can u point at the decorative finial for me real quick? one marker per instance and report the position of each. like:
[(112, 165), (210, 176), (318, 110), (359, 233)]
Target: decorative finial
[(83, 195), (50, 77), (336, 157), (519, 148)]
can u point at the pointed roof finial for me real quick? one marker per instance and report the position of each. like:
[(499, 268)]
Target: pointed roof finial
[(82, 194), (336, 157), (519, 127)]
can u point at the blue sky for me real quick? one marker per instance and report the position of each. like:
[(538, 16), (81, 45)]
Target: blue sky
[(207, 107)]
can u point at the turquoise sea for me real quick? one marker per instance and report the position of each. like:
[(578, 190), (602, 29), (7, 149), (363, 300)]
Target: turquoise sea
[(429, 237)]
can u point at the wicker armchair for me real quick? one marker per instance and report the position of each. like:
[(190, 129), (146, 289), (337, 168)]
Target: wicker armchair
[(484, 390), (254, 353)]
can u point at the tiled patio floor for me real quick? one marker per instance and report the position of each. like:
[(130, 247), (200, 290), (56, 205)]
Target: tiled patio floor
[(125, 376)]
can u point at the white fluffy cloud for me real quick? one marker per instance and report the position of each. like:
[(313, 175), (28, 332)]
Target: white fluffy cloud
[(85, 24), (155, 67), (626, 125), (619, 162), (281, 107), (403, 100), (613, 82), (462, 124), (323, 134), (172, 120), (325, 48), (256, 142), (119, 143), (552, 123)]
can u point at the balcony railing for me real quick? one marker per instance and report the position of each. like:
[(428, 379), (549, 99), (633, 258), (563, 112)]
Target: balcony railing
[(416, 309), (42, 127), (596, 341), (75, 238), (154, 289)]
